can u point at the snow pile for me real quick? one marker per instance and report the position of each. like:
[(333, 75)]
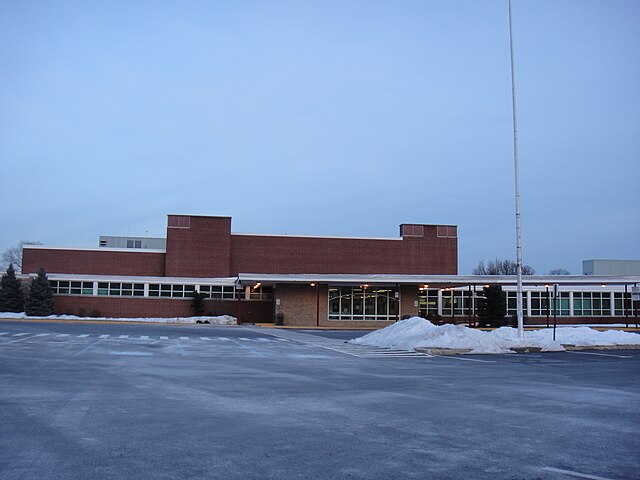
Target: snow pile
[(219, 320), (419, 332)]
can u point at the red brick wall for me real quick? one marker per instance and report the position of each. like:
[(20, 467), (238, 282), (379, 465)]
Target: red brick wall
[(254, 311), (202, 250), (93, 262), (280, 254), (207, 249)]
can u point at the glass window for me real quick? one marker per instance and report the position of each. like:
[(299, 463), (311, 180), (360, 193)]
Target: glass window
[(358, 303)]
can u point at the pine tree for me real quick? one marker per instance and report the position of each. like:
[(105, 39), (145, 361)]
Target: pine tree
[(197, 304), (11, 296), (39, 302), (492, 308)]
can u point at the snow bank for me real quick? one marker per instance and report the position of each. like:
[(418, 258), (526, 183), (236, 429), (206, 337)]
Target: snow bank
[(219, 320), (419, 332)]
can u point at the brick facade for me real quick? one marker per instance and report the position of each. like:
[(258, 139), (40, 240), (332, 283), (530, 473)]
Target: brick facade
[(201, 250), (93, 262), (254, 311), (204, 247), (408, 300)]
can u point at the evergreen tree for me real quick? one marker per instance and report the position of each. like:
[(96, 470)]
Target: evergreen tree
[(39, 302), (492, 308), (11, 297), (197, 304)]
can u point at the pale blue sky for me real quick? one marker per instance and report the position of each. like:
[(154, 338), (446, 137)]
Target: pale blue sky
[(330, 118)]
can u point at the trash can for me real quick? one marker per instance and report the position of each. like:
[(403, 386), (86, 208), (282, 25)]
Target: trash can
[(280, 319)]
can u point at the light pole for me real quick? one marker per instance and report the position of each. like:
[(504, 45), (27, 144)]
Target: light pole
[(515, 158)]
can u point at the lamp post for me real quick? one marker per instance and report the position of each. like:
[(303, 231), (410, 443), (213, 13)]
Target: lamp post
[(517, 179)]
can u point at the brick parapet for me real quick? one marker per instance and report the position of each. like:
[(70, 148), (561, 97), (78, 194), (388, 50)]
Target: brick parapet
[(93, 262), (201, 250)]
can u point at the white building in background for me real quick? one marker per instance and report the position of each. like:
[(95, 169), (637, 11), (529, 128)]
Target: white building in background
[(611, 267)]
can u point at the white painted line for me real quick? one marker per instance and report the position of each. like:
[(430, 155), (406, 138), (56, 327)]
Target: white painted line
[(184, 338), (575, 474), (458, 357), (381, 355), (602, 354), (83, 336), (263, 340), (123, 336), (180, 349), (87, 348), (136, 354), (20, 334), (282, 339), (144, 337), (243, 338), (63, 335), (4, 333), (18, 340), (164, 338), (204, 338), (104, 336), (223, 338), (41, 335)]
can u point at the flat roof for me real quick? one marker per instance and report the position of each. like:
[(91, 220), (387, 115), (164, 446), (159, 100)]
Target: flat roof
[(98, 249), (453, 280), (77, 277)]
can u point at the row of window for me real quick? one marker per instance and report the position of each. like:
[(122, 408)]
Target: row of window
[(168, 290), (585, 304), (357, 303)]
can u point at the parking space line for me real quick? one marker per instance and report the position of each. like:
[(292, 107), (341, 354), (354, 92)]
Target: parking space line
[(18, 340), (204, 338), (243, 338), (223, 338), (3, 333), (252, 350), (63, 335), (123, 336), (20, 334), (575, 474), (184, 338), (602, 354), (86, 348), (164, 338), (104, 336), (180, 349), (144, 337), (83, 336), (41, 335), (458, 357)]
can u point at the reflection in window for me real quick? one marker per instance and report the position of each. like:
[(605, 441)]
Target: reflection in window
[(362, 303)]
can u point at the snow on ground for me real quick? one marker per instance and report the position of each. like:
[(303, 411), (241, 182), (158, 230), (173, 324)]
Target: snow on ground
[(219, 320), (419, 332)]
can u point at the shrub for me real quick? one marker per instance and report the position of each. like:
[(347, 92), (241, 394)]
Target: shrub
[(197, 304), (11, 296), (492, 307), (39, 302)]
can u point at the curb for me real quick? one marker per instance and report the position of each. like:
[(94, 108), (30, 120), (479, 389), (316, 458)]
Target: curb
[(100, 322), (570, 347), (442, 350)]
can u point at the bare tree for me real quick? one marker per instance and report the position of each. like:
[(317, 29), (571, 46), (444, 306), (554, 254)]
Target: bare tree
[(13, 255), (559, 271), (501, 267)]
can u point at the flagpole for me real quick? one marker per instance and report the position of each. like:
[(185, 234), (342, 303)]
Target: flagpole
[(517, 179)]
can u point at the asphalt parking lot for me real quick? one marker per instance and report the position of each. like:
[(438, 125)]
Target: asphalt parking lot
[(151, 401)]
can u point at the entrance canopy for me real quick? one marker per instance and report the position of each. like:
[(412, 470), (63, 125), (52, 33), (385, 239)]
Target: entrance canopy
[(436, 280)]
